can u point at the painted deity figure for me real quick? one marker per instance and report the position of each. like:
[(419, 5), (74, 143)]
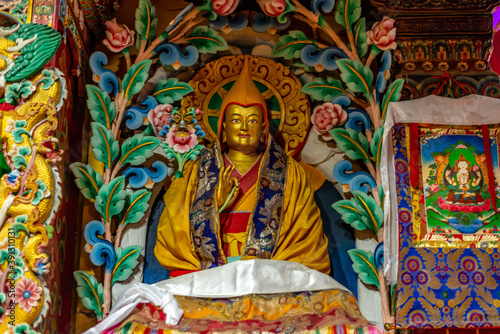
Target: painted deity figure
[(464, 179), (243, 199)]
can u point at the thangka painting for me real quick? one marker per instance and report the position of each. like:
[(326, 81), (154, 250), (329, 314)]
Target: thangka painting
[(458, 189), (444, 197)]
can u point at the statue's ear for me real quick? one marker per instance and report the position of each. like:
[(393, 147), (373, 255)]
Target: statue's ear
[(223, 133)]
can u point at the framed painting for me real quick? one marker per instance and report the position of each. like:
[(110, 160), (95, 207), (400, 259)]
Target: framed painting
[(458, 192)]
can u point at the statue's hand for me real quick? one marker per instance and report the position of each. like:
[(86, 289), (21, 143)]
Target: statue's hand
[(226, 184)]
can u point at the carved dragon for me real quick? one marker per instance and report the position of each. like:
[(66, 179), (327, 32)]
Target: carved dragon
[(30, 194)]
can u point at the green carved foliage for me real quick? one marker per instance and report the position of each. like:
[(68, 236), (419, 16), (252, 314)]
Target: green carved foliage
[(358, 78), (360, 37), (376, 144), (393, 94), (35, 55), (104, 145), (137, 149), (135, 78), (290, 46), (361, 212), (348, 12), (354, 144), (126, 261), (207, 40), (87, 179), (102, 110), (324, 89), (111, 198), (90, 292), (136, 204), (364, 266), (171, 90), (145, 19)]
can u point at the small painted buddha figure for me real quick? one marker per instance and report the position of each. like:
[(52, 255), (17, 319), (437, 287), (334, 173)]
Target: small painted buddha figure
[(464, 179), (242, 199)]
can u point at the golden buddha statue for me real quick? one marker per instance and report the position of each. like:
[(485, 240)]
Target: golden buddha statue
[(242, 199)]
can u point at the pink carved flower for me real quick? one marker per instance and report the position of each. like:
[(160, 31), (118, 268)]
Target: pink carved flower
[(159, 117), (181, 140), (272, 7), (224, 7), (383, 34), (118, 36), (27, 293), (327, 116)]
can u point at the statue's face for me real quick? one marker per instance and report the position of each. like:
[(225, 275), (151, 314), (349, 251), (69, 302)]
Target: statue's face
[(243, 128)]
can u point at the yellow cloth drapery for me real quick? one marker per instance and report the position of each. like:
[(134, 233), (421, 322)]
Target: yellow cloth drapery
[(301, 237)]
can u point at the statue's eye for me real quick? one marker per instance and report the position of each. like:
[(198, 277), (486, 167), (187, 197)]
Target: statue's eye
[(235, 120)]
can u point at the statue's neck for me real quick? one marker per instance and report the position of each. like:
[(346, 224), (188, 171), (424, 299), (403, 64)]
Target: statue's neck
[(243, 161)]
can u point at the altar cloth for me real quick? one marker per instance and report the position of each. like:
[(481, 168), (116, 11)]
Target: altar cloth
[(236, 279)]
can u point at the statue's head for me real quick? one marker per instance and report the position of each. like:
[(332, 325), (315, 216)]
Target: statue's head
[(243, 123)]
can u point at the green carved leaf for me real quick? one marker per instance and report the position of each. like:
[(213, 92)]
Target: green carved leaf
[(111, 198), (100, 106), (35, 55), (126, 261), (171, 90), (288, 9), (357, 77), (90, 291), (353, 144), (104, 145), (371, 213), (348, 12), (360, 37), (136, 204), (393, 94), (290, 46), (324, 89), (18, 91), (145, 19), (381, 195), (394, 290), (207, 40), (135, 78), (207, 6), (364, 266), (376, 144), (137, 149), (349, 211), (87, 179)]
